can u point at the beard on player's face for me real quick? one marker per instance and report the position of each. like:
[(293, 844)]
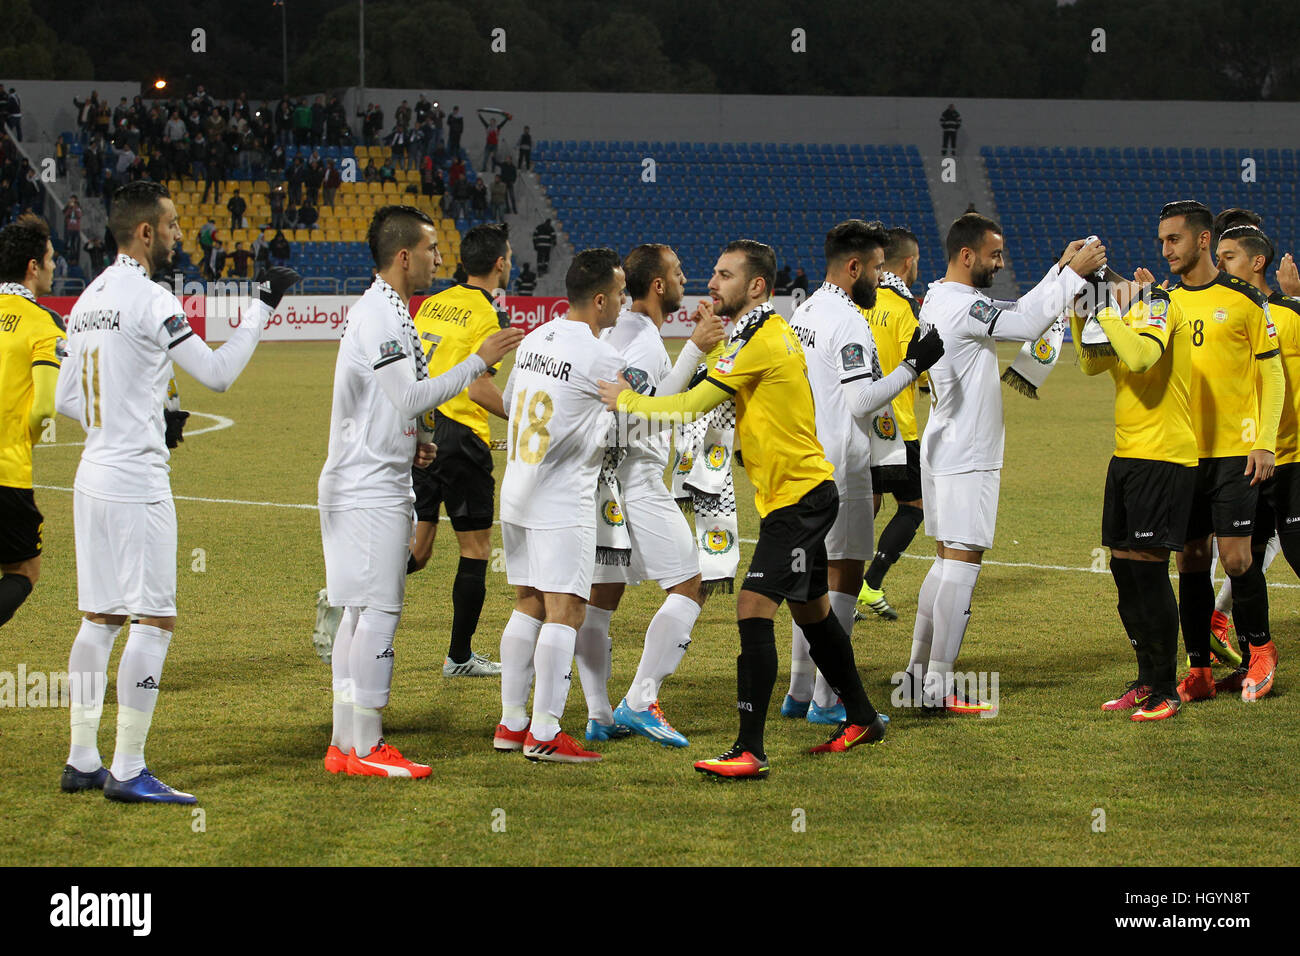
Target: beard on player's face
[(863, 292), (982, 273)]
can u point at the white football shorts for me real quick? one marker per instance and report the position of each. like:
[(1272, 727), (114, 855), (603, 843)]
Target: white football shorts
[(553, 560), (365, 556), (126, 556), (961, 510), (852, 536)]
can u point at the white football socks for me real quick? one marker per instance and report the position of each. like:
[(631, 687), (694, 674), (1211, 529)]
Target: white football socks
[(802, 669), (554, 662), (1223, 602), (88, 676), (340, 664), (370, 667), (923, 631), (666, 641), (138, 675), (518, 641), (594, 651), (952, 604)]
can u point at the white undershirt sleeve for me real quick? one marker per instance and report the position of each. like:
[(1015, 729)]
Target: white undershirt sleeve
[(217, 369), (412, 398), (866, 396), (687, 362)]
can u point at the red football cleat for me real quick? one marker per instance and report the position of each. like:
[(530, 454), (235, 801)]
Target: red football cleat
[(1131, 699), (1198, 684), (385, 761), (562, 749), (336, 761), (506, 739), (1259, 676)]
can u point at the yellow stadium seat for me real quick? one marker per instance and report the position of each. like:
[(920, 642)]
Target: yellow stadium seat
[(261, 186)]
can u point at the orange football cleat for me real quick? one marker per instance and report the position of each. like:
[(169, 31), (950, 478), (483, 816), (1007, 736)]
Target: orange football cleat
[(506, 739), (735, 764), (385, 761), (1197, 685), (1232, 683), (336, 761), (1156, 710), (1259, 676), (850, 735), (561, 749)]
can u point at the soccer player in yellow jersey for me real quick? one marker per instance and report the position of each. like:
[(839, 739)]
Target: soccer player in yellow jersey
[(31, 347), (453, 325), (893, 320), (1236, 399), (1244, 251), (763, 369), (1150, 480)]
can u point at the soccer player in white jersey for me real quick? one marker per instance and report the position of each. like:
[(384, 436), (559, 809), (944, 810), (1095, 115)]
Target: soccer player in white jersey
[(124, 333), (848, 389), (961, 452), (663, 547), (556, 439), (381, 386)]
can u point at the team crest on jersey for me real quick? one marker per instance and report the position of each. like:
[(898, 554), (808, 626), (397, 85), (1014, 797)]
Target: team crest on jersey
[(717, 540), (427, 420), (176, 324), (636, 378), (1268, 324), (884, 426), (60, 348), (985, 312), (1158, 308), (716, 459), (728, 360), (612, 514), (390, 348), (853, 356), (1220, 315), (685, 464), (1044, 352)]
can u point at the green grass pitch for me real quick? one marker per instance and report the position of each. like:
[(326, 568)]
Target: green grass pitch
[(243, 719)]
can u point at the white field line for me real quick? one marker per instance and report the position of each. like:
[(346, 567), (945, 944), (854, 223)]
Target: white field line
[(914, 557), (219, 422)]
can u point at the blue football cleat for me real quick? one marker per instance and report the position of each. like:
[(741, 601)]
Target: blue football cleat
[(649, 723), (599, 731), (144, 788), (74, 780), (797, 709), (826, 715)]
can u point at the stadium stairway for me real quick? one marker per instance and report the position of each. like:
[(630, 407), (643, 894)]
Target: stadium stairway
[(951, 199)]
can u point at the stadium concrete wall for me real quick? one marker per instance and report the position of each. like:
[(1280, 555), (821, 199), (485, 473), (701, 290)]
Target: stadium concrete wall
[(47, 104)]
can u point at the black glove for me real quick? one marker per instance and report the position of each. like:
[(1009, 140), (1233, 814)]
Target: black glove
[(175, 422), (924, 350), (275, 282)]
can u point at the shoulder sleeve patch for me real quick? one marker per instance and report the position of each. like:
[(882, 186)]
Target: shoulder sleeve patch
[(177, 324), (853, 356), (390, 351), (984, 312), (638, 379)]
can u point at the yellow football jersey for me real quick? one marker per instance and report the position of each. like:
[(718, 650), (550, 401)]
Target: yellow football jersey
[(452, 325), (1152, 415), (1230, 330), (776, 423), (893, 320), (29, 336), (1285, 313)]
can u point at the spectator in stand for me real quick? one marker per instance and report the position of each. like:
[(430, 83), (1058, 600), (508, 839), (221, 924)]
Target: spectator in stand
[(199, 156), (455, 127), (214, 126), (207, 236), (283, 122), (291, 215), (318, 121), (422, 108), (297, 178), (418, 143), (456, 173), (500, 198), (370, 174), (437, 117), (460, 196), (335, 122), (426, 176), (302, 123), (214, 263), (60, 157), (800, 280), (333, 180), (276, 200), (72, 229), (87, 110), (275, 164), (543, 242), (480, 197), (216, 169), (402, 115), (261, 251), (60, 266), (15, 120), (436, 185), (950, 122), (526, 281), (397, 140), (315, 178), (372, 126), (460, 275), (237, 207), (509, 174), (239, 261), (92, 162), (526, 149), (30, 190), (491, 139), (307, 215), (279, 249), (95, 249), (784, 281), (104, 120), (386, 172)]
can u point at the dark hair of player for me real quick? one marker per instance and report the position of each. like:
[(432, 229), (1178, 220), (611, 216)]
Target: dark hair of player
[(483, 246), (1253, 240), (1235, 216), (967, 232), (854, 237), (24, 239), (134, 203), (590, 273), (643, 265), (902, 243), (393, 229), (1197, 215), (760, 260)]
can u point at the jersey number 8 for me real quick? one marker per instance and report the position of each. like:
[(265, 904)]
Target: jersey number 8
[(539, 408)]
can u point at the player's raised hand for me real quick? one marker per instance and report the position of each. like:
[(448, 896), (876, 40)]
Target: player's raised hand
[(496, 345), (609, 391), (1144, 277), (274, 282), (1088, 259), (924, 350), (1288, 277), (1070, 252), (425, 453), (709, 329)]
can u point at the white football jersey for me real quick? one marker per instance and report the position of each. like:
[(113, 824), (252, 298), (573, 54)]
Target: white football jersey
[(965, 430), (839, 348), (372, 445), (119, 335), (558, 429), (639, 341)]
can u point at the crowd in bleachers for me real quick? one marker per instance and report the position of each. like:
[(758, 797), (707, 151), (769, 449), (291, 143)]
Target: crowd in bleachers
[(20, 185)]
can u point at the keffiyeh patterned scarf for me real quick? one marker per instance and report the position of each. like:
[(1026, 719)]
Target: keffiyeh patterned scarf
[(408, 325), (17, 288), (1036, 360)]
